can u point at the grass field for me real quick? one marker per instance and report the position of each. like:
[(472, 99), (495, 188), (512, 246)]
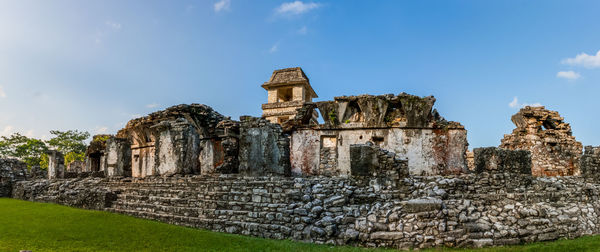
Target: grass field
[(50, 227)]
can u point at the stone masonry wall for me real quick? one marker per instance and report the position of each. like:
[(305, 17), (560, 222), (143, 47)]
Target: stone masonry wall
[(11, 170), (590, 163), (484, 209)]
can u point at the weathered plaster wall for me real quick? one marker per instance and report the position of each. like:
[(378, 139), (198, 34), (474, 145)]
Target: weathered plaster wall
[(118, 157), (142, 161), (429, 151)]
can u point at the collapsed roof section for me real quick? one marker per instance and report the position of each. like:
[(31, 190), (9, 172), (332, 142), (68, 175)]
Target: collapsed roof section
[(202, 117), (375, 111)]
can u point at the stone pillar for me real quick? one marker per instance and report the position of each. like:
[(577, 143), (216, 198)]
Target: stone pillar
[(56, 164), (118, 157)]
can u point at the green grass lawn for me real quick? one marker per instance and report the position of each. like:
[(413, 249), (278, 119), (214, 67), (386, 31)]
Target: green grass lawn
[(50, 227)]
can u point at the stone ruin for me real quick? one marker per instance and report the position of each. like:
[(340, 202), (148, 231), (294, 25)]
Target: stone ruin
[(383, 170), (554, 150)]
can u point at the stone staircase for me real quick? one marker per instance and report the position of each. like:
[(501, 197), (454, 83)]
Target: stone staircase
[(196, 205)]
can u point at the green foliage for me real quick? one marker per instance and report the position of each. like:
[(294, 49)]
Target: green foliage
[(101, 138), (32, 151), (44, 161), (332, 117), (68, 141), (71, 143), (74, 156), (28, 150)]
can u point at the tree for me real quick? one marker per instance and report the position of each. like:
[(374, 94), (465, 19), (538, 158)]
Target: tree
[(28, 150), (33, 151), (71, 143)]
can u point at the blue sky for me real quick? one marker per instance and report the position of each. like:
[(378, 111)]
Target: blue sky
[(94, 65)]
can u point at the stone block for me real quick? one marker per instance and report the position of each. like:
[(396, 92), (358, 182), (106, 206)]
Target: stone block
[(492, 159)]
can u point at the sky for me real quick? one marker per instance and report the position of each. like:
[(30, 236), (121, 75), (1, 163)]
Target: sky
[(94, 65)]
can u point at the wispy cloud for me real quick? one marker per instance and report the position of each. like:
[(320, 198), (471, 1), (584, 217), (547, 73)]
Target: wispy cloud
[(274, 48), (569, 75), (152, 105), (101, 129), (295, 8), (584, 59), (30, 133), (114, 25), (2, 93), (303, 30), (516, 104), (190, 8), (222, 5), (8, 129), (104, 32)]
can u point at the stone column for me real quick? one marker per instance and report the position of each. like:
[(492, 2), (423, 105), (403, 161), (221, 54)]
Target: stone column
[(56, 164)]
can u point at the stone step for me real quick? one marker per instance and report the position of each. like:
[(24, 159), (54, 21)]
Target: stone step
[(208, 223), (200, 203)]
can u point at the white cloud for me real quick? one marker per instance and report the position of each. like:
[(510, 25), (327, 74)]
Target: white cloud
[(584, 59), (303, 30), (274, 48), (569, 75), (7, 131), (222, 5), (515, 104), (2, 93), (113, 25), (296, 8), (152, 105), (101, 130), (30, 133)]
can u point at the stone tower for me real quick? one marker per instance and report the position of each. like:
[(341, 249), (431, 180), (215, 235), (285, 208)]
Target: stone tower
[(288, 89)]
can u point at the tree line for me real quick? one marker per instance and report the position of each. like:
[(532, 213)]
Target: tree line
[(32, 151)]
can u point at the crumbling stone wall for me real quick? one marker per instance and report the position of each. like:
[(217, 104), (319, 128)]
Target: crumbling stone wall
[(95, 154), (429, 151), (404, 124), (168, 142), (89, 193), (11, 171), (554, 150), (264, 148), (118, 157), (492, 159), (590, 163), (370, 161), (492, 207), (56, 164)]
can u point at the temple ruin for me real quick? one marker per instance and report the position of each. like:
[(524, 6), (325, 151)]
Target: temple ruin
[(554, 150), (380, 170)]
